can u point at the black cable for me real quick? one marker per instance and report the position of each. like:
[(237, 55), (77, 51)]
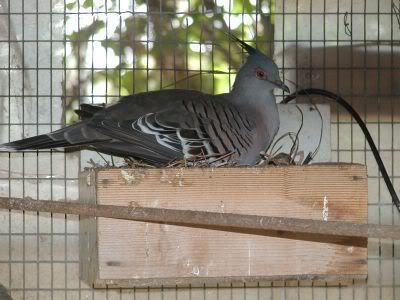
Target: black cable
[(356, 116)]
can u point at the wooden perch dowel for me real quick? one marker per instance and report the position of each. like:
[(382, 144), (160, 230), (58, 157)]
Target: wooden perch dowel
[(203, 219)]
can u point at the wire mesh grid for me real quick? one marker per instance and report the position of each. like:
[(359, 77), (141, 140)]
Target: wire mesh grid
[(56, 54)]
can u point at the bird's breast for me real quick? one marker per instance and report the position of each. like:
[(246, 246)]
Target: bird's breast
[(267, 127)]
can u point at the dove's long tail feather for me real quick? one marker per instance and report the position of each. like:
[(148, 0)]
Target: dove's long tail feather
[(67, 137), (34, 143), (75, 135)]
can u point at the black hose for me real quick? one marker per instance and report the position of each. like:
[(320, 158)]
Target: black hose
[(356, 116)]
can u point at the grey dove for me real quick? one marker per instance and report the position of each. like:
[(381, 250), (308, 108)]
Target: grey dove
[(162, 126)]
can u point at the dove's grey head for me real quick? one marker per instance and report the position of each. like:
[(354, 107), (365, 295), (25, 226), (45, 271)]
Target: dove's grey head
[(258, 73)]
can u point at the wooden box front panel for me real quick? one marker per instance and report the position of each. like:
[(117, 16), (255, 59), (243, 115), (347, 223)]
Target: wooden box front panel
[(135, 253)]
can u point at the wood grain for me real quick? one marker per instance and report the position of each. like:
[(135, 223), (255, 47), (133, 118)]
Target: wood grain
[(142, 251)]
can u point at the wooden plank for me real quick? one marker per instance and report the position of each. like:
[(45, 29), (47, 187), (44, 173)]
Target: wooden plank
[(142, 253), (88, 251)]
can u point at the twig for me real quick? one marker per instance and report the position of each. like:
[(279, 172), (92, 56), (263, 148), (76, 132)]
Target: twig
[(347, 24), (295, 146), (133, 163), (106, 161), (200, 161), (271, 149), (275, 158), (251, 224)]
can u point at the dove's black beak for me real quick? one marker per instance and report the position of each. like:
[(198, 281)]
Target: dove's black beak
[(280, 85), (283, 87)]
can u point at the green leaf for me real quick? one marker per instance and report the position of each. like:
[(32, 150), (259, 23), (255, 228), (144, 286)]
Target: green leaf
[(114, 45), (70, 6), (127, 81), (87, 4)]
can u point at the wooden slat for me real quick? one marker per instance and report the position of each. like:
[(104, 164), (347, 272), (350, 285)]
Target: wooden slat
[(143, 252)]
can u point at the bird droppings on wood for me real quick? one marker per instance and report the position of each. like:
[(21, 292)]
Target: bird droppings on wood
[(325, 209), (127, 177), (222, 207), (196, 271), (179, 177), (176, 179), (132, 177)]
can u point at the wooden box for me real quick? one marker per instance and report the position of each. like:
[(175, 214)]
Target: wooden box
[(119, 253)]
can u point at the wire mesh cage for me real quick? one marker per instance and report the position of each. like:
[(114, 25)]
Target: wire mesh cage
[(57, 54)]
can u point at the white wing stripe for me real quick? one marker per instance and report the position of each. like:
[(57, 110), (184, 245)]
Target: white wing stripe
[(166, 139)]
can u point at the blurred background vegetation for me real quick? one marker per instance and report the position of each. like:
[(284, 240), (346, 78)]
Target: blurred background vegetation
[(120, 47)]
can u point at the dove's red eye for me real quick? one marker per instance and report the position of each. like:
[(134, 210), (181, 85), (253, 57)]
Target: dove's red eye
[(260, 74)]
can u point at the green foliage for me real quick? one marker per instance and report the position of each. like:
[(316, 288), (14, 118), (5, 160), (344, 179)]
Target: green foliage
[(70, 6), (87, 3), (151, 51)]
